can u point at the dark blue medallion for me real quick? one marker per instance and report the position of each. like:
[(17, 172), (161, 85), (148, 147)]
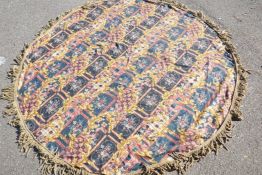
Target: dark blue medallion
[(40, 52), (127, 126), (51, 107), (76, 85), (103, 152), (97, 66), (58, 39), (122, 81), (150, 101), (186, 62), (169, 80)]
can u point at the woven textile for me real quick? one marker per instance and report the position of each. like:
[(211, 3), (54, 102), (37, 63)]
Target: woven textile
[(124, 84)]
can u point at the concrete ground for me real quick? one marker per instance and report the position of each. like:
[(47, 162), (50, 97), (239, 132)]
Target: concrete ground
[(21, 19)]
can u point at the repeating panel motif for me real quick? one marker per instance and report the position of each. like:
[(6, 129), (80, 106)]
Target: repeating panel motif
[(125, 84)]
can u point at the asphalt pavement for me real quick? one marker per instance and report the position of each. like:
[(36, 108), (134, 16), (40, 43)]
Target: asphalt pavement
[(20, 20)]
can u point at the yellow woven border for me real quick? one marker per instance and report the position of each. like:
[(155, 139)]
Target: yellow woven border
[(52, 164)]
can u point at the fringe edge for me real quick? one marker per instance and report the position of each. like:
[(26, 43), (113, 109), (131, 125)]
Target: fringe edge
[(52, 164)]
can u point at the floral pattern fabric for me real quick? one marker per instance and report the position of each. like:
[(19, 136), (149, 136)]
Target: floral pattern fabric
[(123, 85)]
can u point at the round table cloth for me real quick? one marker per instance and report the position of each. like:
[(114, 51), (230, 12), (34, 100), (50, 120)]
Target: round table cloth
[(123, 86)]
